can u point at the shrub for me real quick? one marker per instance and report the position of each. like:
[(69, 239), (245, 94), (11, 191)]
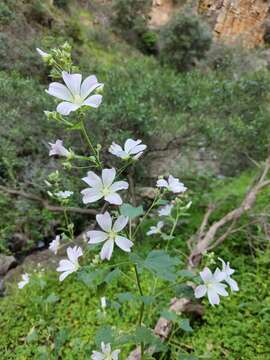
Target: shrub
[(62, 4), (183, 41), (6, 15), (131, 17)]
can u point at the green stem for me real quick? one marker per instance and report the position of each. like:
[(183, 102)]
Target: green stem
[(142, 304), (146, 214), (89, 143)]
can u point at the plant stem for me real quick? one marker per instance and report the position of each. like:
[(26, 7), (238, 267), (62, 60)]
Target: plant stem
[(142, 305), (146, 214), (89, 143)]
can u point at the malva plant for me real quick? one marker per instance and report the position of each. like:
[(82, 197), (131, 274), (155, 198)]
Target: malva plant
[(120, 226)]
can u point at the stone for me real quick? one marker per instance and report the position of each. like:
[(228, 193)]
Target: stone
[(6, 262)]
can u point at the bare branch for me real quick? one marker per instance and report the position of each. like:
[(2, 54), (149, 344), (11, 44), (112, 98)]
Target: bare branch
[(44, 203)]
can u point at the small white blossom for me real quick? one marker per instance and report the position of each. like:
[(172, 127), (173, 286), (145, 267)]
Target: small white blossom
[(132, 149), (165, 210), (110, 235), (25, 281), (57, 148), (212, 286), (173, 184), (55, 244), (229, 271), (42, 53), (76, 93), (103, 302), (103, 187), (156, 229), (64, 194), (70, 265), (106, 353)]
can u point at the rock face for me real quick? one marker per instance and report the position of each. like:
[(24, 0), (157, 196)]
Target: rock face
[(233, 21)]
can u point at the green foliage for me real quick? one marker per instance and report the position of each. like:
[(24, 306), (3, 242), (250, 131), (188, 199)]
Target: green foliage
[(131, 17), (131, 211), (127, 13), (6, 15), (183, 41), (62, 4)]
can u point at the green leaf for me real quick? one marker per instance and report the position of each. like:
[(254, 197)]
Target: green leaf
[(186, 273), (32, 335), (184, 291), (169, 315), (183, 356), (126, 296), (105, 334), (113, 275), (147, 300), (52, 298), (163, 265), (94, 278), (184, 325), (131, 211)]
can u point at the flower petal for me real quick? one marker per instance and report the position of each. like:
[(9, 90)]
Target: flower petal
[(114, 199), (104, 221), (97, 356), (96, 236), (59, 91), (124, 243), (108, 176), (220, 289), (115, 354), (232, 283), (130, 144), (65, 108), (119, 185), (93, 101), (73, 82), (206, 274), (65, 265), (200, 291), (162, 183), (89, 85), (213, 297), (93, 180), (137, 149), (120, 223), (91, 195), (64, 275), (107, 249)]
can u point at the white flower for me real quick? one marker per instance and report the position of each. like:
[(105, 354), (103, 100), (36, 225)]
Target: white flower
[(165, 210), (132, 149), (57, 148), (55, 244), (103, 187), (156, 229), (106, 353), (42, 53), (25, 280), (212, 285), (103, 302), (110, 235), (173, 184), (64, 194), (76, 93), (229, 271), (71, 265)]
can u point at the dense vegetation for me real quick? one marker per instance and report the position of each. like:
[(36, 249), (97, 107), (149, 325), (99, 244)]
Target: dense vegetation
[(218, 105)]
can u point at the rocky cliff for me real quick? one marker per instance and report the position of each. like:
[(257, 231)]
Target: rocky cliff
[(233, 21)]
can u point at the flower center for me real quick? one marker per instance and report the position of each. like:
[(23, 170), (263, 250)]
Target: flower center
[(77, 100), (106, 191), (112, 235)]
